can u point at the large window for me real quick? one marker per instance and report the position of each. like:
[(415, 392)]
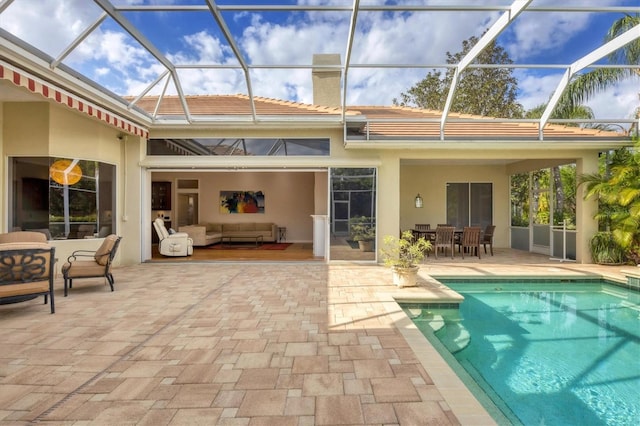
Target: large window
[(240, 146), (469, 204), (64, 198)]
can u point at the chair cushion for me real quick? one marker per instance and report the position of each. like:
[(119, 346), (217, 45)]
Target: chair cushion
[(102, 254), (11, 290), (83, 268), (23, 236)]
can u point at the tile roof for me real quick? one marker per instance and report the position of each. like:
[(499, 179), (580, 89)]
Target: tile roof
[(230, 105), (375, 122)]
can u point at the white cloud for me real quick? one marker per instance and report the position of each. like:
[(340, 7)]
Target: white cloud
[(619, 101)]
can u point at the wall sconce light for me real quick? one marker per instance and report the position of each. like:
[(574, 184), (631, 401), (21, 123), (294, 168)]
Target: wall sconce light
[(419, 201)]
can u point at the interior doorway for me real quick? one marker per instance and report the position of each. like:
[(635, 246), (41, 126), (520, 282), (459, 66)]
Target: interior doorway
[(187, 209)]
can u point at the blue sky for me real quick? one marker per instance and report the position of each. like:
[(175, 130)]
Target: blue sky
[(115, 60)]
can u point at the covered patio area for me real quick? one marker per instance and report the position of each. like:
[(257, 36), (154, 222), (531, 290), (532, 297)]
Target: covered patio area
[(285, 343)]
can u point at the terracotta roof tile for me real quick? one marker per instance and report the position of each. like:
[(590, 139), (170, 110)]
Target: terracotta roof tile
[(230, 105), (467, 127)]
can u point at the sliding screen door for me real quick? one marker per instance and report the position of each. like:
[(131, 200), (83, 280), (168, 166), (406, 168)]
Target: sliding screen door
[(469, 204)]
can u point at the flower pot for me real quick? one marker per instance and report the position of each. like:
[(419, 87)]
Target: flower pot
[(366, 245), (405, 277)]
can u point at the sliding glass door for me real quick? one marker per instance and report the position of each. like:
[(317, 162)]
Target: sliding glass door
[(469, 204)]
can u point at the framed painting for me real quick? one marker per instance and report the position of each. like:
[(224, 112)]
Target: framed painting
[(240, 202)]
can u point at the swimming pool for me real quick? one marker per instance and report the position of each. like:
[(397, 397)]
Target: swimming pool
[(543, 353)]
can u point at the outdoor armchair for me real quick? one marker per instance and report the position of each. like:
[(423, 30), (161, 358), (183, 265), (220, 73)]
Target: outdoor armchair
[(26, 271), (91, 264)]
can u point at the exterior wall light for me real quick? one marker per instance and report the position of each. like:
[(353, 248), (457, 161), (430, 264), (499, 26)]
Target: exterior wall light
[(419, 201)]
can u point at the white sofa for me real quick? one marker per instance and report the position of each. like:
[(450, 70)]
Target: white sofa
[(178, 244), (205, 234)]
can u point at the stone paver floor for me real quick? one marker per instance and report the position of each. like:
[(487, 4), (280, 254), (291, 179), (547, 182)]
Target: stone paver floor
[(237, 343)]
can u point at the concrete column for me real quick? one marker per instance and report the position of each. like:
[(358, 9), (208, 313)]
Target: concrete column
[(388, 219), (320, 234), (586, 225)]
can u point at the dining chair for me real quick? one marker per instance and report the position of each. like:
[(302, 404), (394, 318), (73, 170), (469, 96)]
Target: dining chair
[(470, 240), (418, 231), (444, 240), (487, 238)]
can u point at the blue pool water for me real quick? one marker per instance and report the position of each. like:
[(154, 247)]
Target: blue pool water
[(544, 353)]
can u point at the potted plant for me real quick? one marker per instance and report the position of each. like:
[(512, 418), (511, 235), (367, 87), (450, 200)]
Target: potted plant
[(363, 231), (403, 255), (605, 250)]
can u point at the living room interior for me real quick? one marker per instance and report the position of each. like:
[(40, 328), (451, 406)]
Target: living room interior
[(289, 199)]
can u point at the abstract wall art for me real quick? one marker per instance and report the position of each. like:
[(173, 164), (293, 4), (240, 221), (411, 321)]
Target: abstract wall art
[(240, 202)]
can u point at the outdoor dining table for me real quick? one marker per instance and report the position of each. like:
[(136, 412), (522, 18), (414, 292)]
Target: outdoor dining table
[(431, 233)]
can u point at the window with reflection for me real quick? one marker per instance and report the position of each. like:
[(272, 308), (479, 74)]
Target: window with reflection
[(469, 204), (240, 146), (353, 213), (64, 198)]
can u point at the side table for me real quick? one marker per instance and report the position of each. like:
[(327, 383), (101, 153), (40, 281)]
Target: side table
[(282, 233)]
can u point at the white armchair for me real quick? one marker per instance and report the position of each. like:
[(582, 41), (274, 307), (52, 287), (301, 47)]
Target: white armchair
[(177, 244)]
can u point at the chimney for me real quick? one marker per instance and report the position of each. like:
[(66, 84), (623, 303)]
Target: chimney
[(326, 80)]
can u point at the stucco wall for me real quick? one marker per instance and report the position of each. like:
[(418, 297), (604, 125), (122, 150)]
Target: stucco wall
[(431, 182), (43, 129)]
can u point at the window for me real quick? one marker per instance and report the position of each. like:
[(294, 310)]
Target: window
[(239, 146), (469, 204), (63, 198)]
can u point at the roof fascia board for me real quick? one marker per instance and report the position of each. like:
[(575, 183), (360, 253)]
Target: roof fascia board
[(486, 146), (214, 9), (595, 55), (137, 35), (500, 24)]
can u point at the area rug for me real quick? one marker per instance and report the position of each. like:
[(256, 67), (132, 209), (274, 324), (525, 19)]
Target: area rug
[(250, 246)]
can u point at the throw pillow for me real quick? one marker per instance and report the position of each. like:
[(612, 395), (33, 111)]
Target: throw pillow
[(172, 231)]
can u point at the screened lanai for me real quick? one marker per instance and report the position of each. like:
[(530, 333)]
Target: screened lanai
[(121, 53), (286, 87)]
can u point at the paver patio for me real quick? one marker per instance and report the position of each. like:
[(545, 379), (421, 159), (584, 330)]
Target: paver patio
[(239, 343)]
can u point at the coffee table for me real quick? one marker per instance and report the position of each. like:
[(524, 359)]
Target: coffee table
[(229, 239)]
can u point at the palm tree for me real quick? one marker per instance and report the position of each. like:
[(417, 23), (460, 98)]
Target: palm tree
[(618, 191), (586, 85)]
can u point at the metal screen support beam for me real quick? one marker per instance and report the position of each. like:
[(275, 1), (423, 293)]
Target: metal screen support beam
[(215, 11), (84, 34), (502, 23), (347, 58), (604, 50), (137, 35)]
